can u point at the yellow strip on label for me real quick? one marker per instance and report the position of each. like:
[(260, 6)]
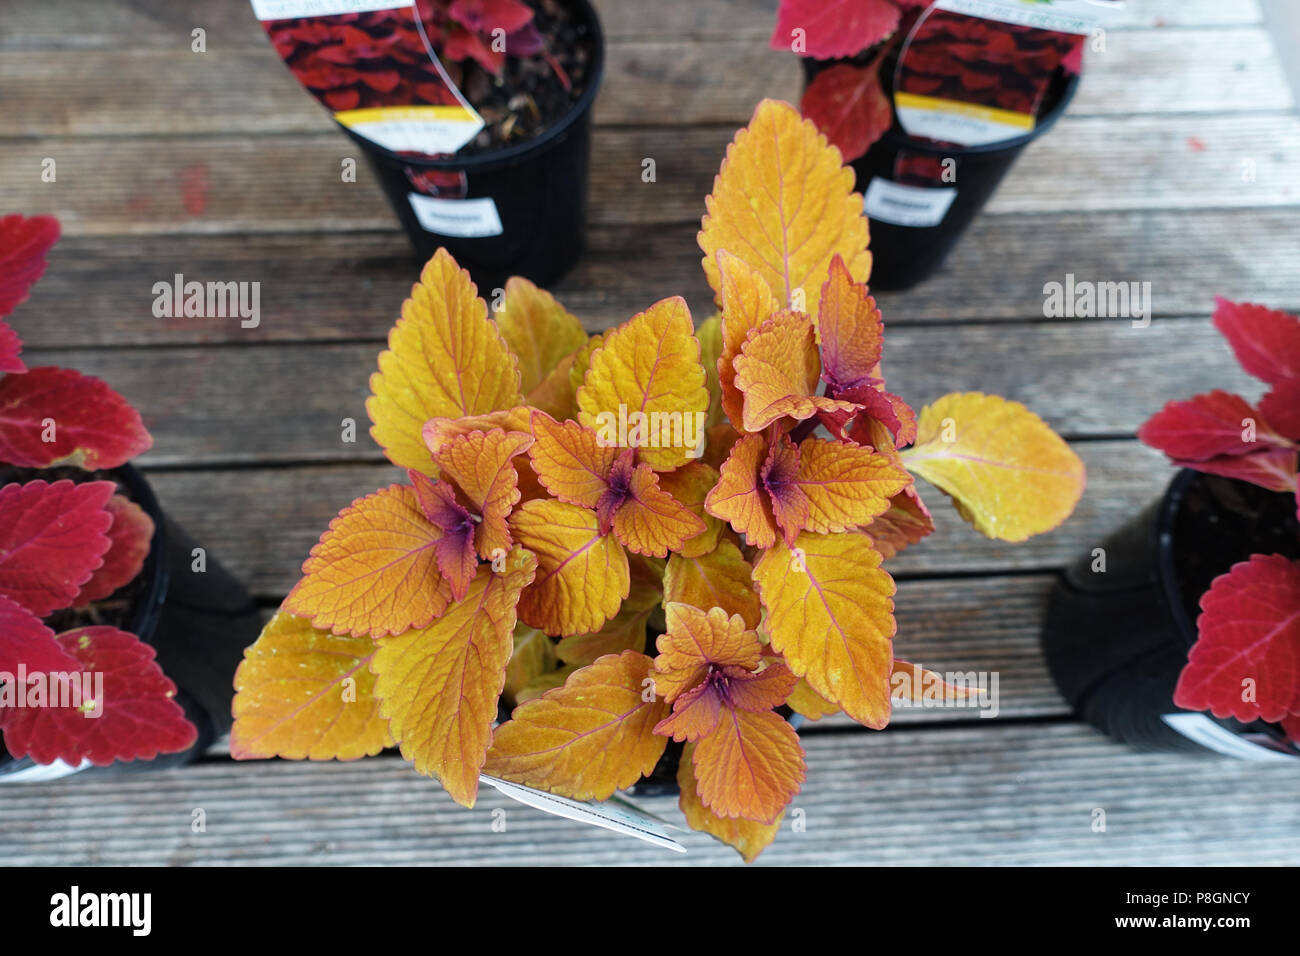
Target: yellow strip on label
[(402, 114), (988, 114)]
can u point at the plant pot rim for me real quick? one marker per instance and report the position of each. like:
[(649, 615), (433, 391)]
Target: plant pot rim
[(511, 155)]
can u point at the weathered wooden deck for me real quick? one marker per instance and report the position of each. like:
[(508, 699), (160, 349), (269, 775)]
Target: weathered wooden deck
[(216, 165)]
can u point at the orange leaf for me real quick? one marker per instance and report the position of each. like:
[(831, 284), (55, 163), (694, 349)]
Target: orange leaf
[(538, 330), (651, 521), (445, 359), (746, 302), (709, 335), (626, 630), (739, 497), (913, 682), (582, 575), (439, 685), (778, 370), (690, 485), (780, 478), (906, 522), (438, 431), (830, 613), (849, 330), (722, 578), (750, 766), (570, 461), (695, 639), (481, 466), (696, 713), (846, 485), (748, 838), (647, 374), (556, 395), (784, 202), (304, 693), (374, 571), (1008, 473), (806, 701), (588, 738)]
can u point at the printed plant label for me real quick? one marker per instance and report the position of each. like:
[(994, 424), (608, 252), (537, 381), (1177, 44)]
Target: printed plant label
[(915, 206), (463, 218)]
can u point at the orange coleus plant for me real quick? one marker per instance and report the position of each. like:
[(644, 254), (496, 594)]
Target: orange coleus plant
[(658, 533)]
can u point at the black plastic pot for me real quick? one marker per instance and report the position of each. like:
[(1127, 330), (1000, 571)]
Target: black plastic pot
[(536, 191), (929, 219), (1116, 642), (198, 623)]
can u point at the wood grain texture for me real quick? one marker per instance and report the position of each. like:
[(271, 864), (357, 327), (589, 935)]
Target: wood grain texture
[(1010, 794)]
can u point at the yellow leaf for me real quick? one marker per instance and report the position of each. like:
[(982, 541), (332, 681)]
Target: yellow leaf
[(722, 578), (570, 461), (778, 371), (750, 766), (439, 685), (582, 362), (784, 202), (556, 394), (830, 613), (709, 334), (627, 629), (1008, 473), (538, 330), (846, 485), (542, 683), (582, 575), (292, 698), (588, 738), (806, 701), (648, 371), (690, 485), (746, 302), (650, 521), (740, 498), (748, 838), (445, 359)]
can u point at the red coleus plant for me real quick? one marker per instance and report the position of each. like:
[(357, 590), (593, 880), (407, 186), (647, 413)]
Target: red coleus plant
[(662, 531), (91, 692), (1246, 660), (847, 100)]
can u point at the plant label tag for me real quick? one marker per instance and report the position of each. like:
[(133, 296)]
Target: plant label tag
[(43, 773), (1079, 17), (463, 218), (915, 206), (376, 71), (616, 814), (1202, 730)]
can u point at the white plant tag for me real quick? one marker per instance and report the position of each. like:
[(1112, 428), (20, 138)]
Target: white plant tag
[(616, 814), (1061, 16), (289, 9), (464, 218), (44, 773), (916, 206), (1207, 733)]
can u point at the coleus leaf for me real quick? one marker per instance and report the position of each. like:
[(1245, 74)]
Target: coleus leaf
[(437, 432), (845, 485), (1272, 468), (750, 766), (582, 575), (25, 640), (375, 571), (53, 416), (740, 497), (24, 243), (1281, 408), (439, 685), (532, 656), (627, 629), (689, 486), (849, 105), (694, 640), (304, 693), (746, 302), (1216, 423), (722, 578), (747, 837), (849, 329), (649, 366), (481, 465), (1008, 473), (1266, 341), (588, 738), (445, 359), (709, 334), (779, 370), (906, 522), (137, 716), (538, 330), (52, 538), (1246, 660), (833, 29), (830, 613), (11, 347), (130, 536), (784, 203)]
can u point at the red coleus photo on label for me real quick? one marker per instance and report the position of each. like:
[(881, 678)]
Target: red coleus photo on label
[(92, 693), (1246, 660)]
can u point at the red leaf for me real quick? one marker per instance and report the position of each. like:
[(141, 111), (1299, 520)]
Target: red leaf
[(1246, 661), (1281, 407), (138, 719), (10, 347), (1291, 724), (833, 28), (131, 536), (51, 538), (25, 640), (484, 16), (1267, 342), (1207, 426), (94, 426), (849, 107), (24, 241), (1274, 469)]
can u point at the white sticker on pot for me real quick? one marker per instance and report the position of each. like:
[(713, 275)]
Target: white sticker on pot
[(1063, 16), (288, 9), (916, 206), (43, 773), (1202, 730), (463, 218), (616, 814)]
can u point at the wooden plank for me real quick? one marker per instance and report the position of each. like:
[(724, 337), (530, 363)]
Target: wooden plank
[(648, 82), (143, 24), (1008, 795), (349, 286), (292, 182), (287, 403)]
